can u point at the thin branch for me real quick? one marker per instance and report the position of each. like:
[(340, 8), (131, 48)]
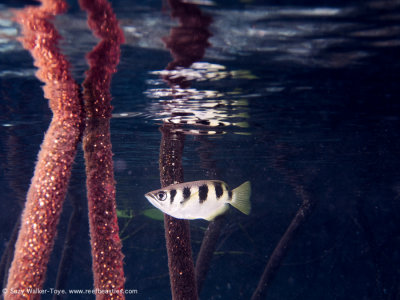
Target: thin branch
[(64, 266), (281, 249), (212, 234), (206, 253)]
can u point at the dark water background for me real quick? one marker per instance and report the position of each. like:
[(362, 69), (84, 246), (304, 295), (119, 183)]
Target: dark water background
[(308, 94)]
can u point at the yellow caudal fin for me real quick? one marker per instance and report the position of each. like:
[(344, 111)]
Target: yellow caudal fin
[(241, 198)]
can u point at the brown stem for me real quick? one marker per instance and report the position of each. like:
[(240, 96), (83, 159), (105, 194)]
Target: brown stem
[(107, 257), (187, 43), (177, 232), (50, 181)]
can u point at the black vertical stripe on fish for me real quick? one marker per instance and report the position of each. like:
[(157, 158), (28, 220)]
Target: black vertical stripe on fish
[(203, 191), (218, 189), (229, 195), (186, 194), (173, 194)]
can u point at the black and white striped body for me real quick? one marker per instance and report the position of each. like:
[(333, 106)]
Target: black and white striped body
[(203, 199)]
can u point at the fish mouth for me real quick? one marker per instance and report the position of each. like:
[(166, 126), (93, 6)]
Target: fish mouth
[(153, 201), (150, 197)]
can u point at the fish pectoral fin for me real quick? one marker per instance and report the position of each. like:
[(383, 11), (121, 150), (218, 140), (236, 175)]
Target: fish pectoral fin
[(209, 219), (241, 198), (217, 212)]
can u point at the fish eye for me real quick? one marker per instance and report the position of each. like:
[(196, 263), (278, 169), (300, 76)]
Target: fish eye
[(162, 196)]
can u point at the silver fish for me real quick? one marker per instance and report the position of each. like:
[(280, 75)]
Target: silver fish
[(203, 199)]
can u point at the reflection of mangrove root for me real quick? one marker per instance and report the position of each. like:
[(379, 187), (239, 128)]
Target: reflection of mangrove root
[(188, 41), (177, 232), (49, 184), (107, 258)]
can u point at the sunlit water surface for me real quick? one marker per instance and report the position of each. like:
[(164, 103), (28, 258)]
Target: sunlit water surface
[(298, 99)]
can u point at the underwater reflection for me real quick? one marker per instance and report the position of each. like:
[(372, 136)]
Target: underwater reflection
[(204, 111), (197, 111)]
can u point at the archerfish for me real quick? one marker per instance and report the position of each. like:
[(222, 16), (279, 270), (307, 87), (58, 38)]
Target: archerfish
[(203, 199)]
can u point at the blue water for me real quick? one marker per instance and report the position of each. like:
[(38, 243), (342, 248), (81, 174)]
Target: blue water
[(305, 96)]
